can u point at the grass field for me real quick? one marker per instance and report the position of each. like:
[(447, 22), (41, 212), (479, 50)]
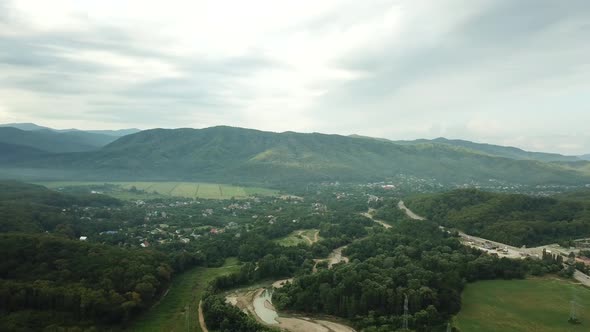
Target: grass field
[(298, 237), (539, 305), (168, 189), (185, 292)]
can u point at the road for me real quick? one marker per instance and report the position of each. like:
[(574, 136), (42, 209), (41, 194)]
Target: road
[(335, 257), (309, 240), (505, 250), (202, 318), (369, 214), (409, 212), (581, 277)]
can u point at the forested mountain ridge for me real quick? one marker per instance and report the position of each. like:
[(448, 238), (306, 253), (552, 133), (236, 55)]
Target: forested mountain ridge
[(508, 218), (34, 127), (496, 150), (246, 155), (54, 142)]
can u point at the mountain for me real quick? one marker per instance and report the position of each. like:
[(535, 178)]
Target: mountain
[(54, 142), (228, 155), (585, 157), (12, 152), (34, 127), (25, 126), (116, 133), (496, 150)]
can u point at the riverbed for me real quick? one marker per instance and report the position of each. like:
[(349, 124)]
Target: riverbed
[(258, 303)]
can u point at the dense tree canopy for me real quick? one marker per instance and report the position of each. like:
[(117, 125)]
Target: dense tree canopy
[(508, 218), (415, 260)]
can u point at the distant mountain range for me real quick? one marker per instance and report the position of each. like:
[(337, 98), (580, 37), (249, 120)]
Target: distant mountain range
[(34, 127), (51, 140), (490, 149), (228, 155)]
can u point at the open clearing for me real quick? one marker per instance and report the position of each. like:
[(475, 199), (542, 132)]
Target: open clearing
[(304, 236), (123, 190), (184, 292), (539, 304)]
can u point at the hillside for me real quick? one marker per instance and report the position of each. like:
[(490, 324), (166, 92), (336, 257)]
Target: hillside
[(12, 152), (228, 155), (508, 218), (54, 142), (32, 208), (496, 150)]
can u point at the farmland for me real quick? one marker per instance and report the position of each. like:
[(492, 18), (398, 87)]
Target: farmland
[(540, 305), (184, 292), (145, 190)]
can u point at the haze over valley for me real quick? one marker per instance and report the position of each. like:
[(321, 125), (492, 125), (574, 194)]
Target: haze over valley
[(266, 166)]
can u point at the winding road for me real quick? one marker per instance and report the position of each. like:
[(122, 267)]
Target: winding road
[(369, 214), (202, 318), (409, 212), (511, 251), (309, 240)]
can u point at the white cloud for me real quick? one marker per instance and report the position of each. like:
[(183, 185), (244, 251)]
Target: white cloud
[(486, 70)]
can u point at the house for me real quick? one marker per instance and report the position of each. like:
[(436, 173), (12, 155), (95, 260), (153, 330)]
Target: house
[(83, 238), (145, 244)]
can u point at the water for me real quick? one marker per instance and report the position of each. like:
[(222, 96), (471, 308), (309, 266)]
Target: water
[(267, 315)]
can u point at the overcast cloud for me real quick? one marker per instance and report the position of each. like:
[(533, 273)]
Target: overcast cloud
[(500, 71)]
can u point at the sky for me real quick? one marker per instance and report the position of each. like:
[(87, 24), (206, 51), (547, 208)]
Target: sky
[(497, 71)]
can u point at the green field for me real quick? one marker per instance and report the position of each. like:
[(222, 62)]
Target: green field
[(185, 292), (148, 190), (539, 305), (298, 237)]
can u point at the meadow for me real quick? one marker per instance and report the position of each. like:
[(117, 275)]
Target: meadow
[(178, 310), (539, 305), (304, 236), (146, 190)]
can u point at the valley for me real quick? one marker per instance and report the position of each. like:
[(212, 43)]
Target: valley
[(294, 166), (327, 256), (147, 190)]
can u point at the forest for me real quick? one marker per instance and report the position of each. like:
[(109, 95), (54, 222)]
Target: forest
[(47, 280), (507, 218), (53, 276), (416, 260)]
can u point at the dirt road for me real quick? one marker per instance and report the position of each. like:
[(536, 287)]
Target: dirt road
[(202, 318), (409, 212), (335, 257), (309, 240), (369, 214)]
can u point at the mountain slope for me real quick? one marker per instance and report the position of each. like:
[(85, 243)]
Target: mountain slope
[(496, 150), (12, 152), (229, 155), (508, 218), (54, 142), (34, 127)]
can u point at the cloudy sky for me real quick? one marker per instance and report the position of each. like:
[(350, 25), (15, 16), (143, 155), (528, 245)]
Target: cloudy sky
[(500, 71)]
